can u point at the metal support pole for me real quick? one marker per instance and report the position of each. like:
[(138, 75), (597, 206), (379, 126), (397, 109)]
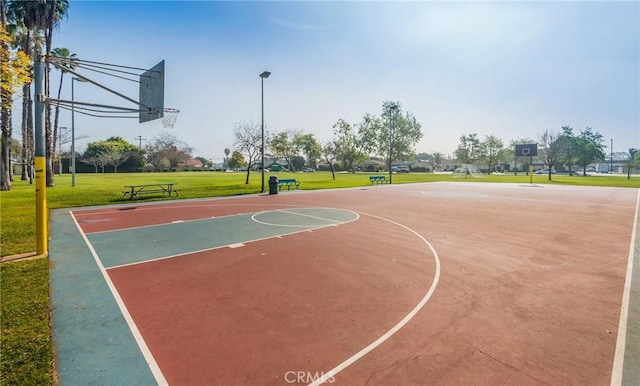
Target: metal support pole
[(390, 149), (60, 151), (393, 109), (611, 158), (40, 156), (263, 76), (262, 146), (73, 137)]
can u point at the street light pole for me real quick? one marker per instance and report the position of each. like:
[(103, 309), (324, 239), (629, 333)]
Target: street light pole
[(393, 108), (263, 76)]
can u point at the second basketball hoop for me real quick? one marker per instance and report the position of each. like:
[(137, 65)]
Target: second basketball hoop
[(169, 117)]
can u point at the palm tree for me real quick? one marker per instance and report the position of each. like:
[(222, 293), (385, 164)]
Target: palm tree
[(68, 62), (28, 17), (15, 72), (54, 10)]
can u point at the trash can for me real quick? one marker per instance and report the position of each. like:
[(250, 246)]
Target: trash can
[(273, 184)]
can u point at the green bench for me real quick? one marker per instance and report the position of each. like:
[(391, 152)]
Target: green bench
[(378, 180), (288, 182)]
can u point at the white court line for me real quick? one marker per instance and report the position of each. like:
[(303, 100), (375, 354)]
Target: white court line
[(335, 222), (328, 376), (310, 216), (153, 365), (618, 361), (165, 223)]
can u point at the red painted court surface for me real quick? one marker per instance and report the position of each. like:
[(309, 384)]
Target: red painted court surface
[(425, 284)]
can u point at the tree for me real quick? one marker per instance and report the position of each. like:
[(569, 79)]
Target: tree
[(168, 147), (94, 161), (568, 147), (115, 157), (14, 72), (329, 154), (297, 162), (469, 150), (67, 61), (283, 146), (392, 136), (237, 160), (492, 150), (54, 10), (436, 161), (154, 156), (40, 18), (309, 146), (249, 141), (589, 148), (205, 162), (226, 158), (28, 20), (347, 145), (551, 146), (113, 151)]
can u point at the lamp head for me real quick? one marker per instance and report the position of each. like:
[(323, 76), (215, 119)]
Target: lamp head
[(265, 75)]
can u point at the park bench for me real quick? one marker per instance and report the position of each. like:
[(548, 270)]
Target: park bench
[(378, 180), (133, 191), (288, 182)]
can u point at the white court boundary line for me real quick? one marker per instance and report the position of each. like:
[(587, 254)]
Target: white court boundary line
[(618, 361), (328, 376), (151, 362)]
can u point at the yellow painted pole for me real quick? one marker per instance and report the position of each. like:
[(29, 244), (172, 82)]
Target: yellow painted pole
[(41, 206), (40, 156), (530, 174)]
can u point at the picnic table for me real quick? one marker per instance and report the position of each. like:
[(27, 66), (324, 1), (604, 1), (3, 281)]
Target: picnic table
[(133, 191)]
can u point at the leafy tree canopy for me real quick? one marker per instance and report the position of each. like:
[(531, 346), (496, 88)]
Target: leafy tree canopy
[(119, 144), (237, 160)]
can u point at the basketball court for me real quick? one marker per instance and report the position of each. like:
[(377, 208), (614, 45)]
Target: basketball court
[(439, 284)]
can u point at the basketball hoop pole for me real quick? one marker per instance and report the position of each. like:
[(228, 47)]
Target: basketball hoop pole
[(40, 156), (531, 169)]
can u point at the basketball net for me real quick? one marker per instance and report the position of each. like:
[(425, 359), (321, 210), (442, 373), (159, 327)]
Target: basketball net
[(169, 117), (466, 171)]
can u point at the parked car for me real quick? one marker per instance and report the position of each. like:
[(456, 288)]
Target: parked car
[(309, 170), (400, 169), (545, 171)]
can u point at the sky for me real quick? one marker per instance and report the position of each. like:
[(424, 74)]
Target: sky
[(510, 69)]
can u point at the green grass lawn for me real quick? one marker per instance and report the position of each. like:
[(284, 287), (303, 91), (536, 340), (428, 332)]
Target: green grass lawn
[(26, 344)]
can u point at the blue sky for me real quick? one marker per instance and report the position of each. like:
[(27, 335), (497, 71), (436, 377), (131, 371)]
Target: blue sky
[(511, 69)]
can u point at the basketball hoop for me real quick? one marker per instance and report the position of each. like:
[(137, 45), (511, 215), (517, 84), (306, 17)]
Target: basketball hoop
[(169, 117)]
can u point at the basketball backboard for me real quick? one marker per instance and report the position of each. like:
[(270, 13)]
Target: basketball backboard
[(152, 93), (528, 150)]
